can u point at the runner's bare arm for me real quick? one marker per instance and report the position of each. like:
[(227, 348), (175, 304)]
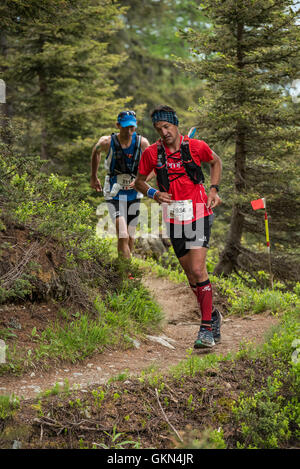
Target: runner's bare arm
[(150, 175), (144, 144), (101, 146), (142, 186), (213, 199)]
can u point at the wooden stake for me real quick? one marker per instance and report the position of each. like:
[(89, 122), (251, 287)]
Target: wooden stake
[(268, 244)]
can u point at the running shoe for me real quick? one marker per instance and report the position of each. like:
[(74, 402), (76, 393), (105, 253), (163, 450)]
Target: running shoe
[(216, 321), (205, 338)]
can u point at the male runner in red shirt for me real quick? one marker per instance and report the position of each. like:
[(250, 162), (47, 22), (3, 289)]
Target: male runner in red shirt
[(186, 206)]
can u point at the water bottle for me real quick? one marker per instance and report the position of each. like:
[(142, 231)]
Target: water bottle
[(106, 187), (115, 189)]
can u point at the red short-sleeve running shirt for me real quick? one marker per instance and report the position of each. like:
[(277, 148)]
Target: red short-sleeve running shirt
[(181, 188)]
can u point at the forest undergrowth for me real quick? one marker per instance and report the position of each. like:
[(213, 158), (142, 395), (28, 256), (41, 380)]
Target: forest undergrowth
[(52, 255)]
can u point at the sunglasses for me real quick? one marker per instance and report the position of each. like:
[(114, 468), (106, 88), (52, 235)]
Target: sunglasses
[(126, 113)]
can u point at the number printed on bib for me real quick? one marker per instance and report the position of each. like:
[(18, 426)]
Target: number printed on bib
[(181, 210), (125, 180)]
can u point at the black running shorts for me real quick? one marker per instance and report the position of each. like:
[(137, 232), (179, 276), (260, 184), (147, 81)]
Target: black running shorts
[(122, 208), (189, 236)]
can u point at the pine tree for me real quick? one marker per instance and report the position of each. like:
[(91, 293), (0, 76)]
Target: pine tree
[(150, 39), (59, 69), (248, 59), (10, 13)]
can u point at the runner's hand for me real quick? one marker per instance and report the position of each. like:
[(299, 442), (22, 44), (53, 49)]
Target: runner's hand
[(213, 199), (95, 184), (163, 197)]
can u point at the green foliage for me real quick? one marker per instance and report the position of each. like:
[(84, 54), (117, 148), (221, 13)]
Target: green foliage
[(264, 422), (7, 333), (50, 206), (150, 39), (245, 299), (52, 209), (130, 311), (8, 406), (208, 439), (243, 294), (248, 57), (57, 389), (150, 265), (21, 288), (115, 441), (51, 203), (57, 75), (281, 345), (255, 302), (270, 417), (98, 395), (194, 364), (297, 289), (133, 304), (77, 341)]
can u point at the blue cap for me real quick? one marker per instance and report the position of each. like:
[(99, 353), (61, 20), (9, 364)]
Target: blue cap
[(127, 118)]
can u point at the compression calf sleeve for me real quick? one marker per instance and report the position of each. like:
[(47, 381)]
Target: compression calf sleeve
[(204, 296)]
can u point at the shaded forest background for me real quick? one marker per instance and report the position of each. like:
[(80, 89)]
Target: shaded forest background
[(226, 66)]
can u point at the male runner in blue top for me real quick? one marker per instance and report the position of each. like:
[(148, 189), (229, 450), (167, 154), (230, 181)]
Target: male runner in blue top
[(123, 151)]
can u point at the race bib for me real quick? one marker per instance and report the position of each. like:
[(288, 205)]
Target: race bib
[(181, 210), (125, 180)]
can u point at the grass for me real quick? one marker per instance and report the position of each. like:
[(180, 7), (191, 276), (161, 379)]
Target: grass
[(8, 406), (243, 296), (268, 418), (263, 418), (58, 388), (132, 312), (135, 308), (152, 266), (120, 316), (244, 299), (75, 341), (259, 410)]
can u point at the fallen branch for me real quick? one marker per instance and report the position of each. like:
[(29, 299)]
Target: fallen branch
[(171, 392), (166, 418), (69, 425), (17, 270)]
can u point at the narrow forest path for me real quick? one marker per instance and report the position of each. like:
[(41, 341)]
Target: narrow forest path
[(179, 330)]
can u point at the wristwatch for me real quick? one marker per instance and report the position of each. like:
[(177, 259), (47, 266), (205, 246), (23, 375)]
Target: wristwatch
[(215, 186)]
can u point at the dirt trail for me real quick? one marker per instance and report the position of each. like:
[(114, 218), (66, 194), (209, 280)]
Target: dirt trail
[(180, 328)]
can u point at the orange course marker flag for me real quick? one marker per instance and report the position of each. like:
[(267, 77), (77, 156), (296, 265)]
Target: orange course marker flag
[(257, 204)]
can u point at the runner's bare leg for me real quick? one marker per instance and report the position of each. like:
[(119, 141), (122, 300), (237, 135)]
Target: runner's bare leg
[(123, 238), (131, 232), (194, 265)]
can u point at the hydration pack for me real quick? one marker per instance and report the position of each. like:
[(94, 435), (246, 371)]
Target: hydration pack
[(192, 169), (120, 166)]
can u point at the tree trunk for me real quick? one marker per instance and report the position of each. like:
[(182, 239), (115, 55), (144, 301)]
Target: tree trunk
[(43, 107), (5, 108), (229, 257)]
